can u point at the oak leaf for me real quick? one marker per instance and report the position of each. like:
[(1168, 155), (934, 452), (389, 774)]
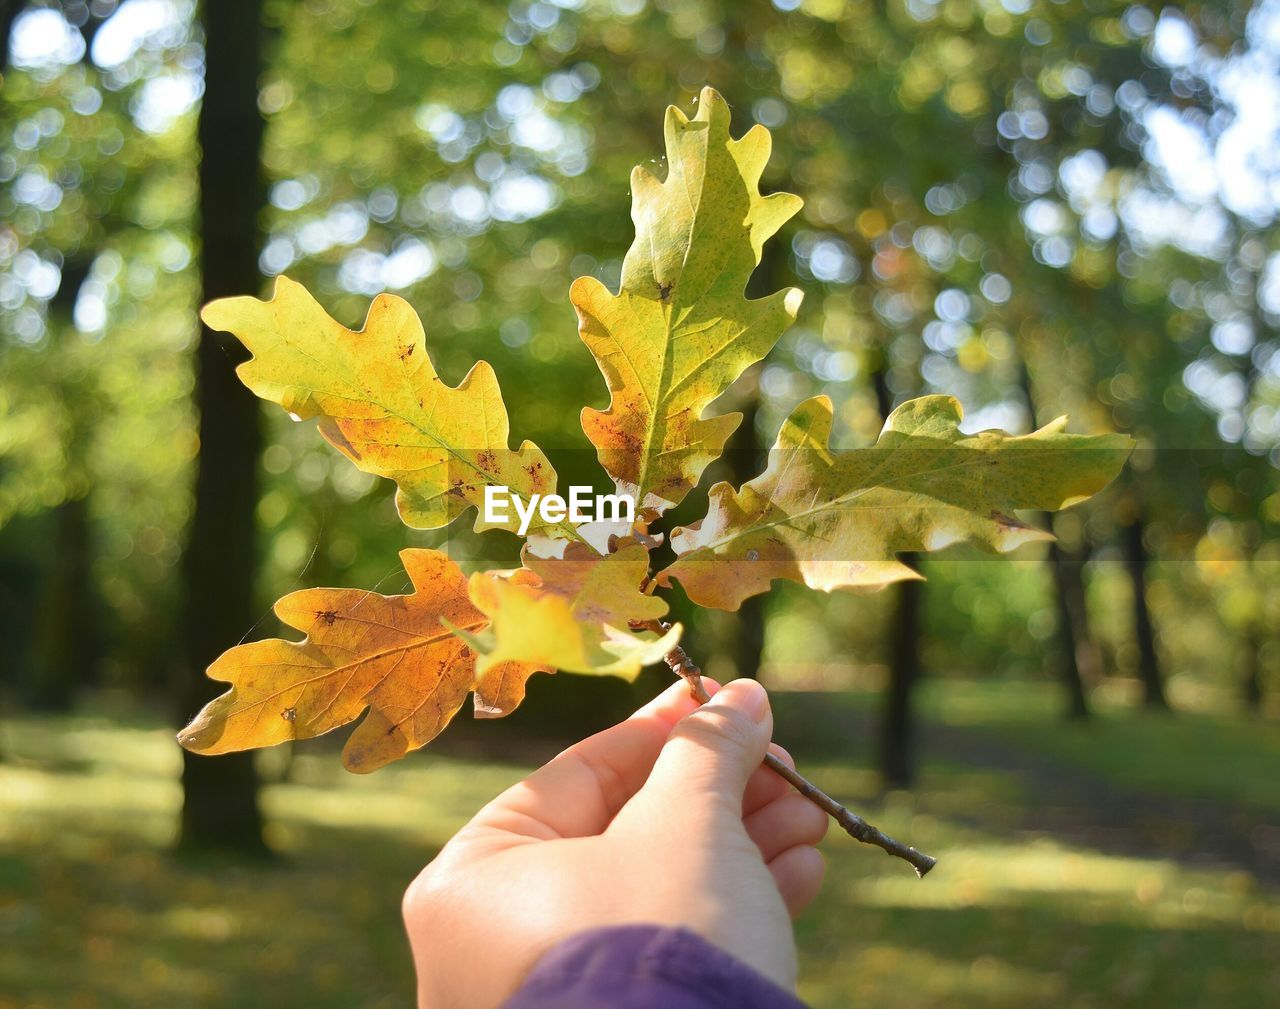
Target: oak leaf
[(380, 402), (391, 654), (680, 330), (831, 519), (574, 613)]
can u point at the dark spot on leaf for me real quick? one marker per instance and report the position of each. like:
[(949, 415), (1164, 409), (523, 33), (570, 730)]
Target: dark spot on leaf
[(289, 714), (753, 554), (406, 353), (664, 291), (328, 616), (1007, 521)]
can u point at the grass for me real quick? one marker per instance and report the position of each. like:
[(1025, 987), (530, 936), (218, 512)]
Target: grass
[(95, 912), (1213, 753), (1208, 754), (1027, 921)]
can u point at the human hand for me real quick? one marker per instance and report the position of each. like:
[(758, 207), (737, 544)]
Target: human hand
[(667, 818)]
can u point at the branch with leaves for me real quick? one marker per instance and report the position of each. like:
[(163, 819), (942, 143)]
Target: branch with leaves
[(585, 599)]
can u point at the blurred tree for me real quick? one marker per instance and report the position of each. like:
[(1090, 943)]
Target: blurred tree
[(67, 646), (9, 11), (1076, 649), (746, 458), (1034, 131), (220, 802), (1137, 562), (896, 743), (66, 639)]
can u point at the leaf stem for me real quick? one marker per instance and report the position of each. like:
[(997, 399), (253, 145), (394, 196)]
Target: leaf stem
[(681, 665)]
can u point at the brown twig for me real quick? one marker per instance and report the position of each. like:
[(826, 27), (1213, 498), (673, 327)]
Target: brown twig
[(855, 826)]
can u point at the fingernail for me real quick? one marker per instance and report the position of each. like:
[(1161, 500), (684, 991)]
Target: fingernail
[(745, 695)]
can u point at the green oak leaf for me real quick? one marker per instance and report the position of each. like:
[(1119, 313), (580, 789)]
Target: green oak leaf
[(831, 519), (380, 402), (680, 330)]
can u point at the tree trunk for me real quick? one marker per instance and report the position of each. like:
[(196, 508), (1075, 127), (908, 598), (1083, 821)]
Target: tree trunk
[(747, 649), (1088, 652), (744, 453), (1144, 633), (66, 632), (897, 728), (1068, 633), (745, 456), (9, 11), (66, 639), (1074, 640), (220, 797), (897, 724), (1251, 645)]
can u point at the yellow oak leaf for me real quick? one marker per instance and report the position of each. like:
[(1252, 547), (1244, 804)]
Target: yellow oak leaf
[(391, 654), (830, 519), (574, 614), (680, 330), (380, 402)]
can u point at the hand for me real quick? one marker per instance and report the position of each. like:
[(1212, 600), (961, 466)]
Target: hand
[(667, 818)]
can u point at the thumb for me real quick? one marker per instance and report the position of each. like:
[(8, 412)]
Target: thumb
[(712, 751)]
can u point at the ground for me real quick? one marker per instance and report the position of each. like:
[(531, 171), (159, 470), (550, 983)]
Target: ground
[(1128, 863)]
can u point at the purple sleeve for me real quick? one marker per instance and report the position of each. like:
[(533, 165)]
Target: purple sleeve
[(645, 967)]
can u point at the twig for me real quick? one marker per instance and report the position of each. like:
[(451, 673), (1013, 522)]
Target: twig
[(855, 826)]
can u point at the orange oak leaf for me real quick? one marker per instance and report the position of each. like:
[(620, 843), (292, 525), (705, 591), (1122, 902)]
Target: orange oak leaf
[(393, 655)]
